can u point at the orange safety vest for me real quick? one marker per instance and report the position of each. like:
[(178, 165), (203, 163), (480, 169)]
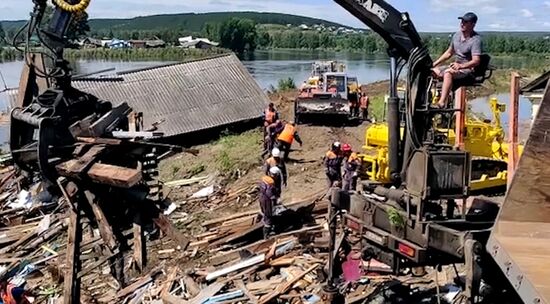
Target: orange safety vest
[(269, 116), (331, 155), (272, 162), (288, 134), (7, 297), (364, 102), (268, 180)]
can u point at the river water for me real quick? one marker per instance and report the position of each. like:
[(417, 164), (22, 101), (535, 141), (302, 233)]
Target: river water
[(267, 67)]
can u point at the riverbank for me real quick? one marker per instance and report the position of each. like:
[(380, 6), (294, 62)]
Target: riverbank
[(164, 54)]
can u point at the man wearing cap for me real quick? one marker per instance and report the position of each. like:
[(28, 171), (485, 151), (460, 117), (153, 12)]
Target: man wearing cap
[(467, 47)]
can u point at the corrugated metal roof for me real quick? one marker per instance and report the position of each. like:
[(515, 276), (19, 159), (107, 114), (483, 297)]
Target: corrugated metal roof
[(189, 96)]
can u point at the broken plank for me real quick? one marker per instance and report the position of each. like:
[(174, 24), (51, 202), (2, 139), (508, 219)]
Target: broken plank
[(207, 292), (105, 229), (104, 174), (281, 289), (192, 287), (166, 226), (71, 281), (251, 298), (167, 286), (140, 250), (134, 286)]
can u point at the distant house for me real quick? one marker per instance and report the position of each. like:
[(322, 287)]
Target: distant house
[(196, 43), (141, 44), (90, 43), (304, 27), (137, 44), (118, 44)]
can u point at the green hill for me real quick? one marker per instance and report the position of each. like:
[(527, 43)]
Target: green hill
[(191, 22)]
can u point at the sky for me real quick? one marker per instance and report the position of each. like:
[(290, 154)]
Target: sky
[(427, 15)]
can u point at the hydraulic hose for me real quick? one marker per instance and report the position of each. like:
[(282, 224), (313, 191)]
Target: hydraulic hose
[(72, 8)]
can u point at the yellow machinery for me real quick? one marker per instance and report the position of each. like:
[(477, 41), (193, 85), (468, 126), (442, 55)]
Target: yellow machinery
[(483, 139)]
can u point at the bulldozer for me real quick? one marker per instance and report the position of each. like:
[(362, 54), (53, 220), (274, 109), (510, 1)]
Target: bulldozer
[(484, 139), (326, 93)]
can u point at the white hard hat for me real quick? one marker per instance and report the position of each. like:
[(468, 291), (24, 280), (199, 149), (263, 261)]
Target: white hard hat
[(275, 170), (276, 152)]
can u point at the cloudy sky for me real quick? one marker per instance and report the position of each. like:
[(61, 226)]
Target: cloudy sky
[(428, 15)]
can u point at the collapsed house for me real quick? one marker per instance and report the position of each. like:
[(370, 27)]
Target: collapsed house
[(183, 99)]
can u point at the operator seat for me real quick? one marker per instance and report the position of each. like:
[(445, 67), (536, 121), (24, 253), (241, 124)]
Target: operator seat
[(481, 73)]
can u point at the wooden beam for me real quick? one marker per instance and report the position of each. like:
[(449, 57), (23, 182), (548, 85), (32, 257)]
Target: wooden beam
[(105, 229), (172, 232), (30, 84), (281, 289), (513, 155), (71, 289), (104, 174), (140, 250), (460, 105)]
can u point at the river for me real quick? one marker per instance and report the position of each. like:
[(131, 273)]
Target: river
[(267, 67)]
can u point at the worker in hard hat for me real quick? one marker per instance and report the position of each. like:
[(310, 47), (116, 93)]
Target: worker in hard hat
[(271, 133), (286, 137), (333, 163), (352, 166), (276, 161), (269, 195), (345, 152)]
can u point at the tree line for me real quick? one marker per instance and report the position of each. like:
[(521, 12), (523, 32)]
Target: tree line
[(244, 35)]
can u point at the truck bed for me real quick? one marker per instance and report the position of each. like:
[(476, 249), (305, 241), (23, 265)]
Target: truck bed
[(520, 242)]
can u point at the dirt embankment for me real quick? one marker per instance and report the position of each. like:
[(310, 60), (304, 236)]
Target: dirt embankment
[(236, 160)]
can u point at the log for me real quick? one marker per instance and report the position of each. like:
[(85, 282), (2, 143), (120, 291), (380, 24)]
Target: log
[(104, 174), (166, 226)]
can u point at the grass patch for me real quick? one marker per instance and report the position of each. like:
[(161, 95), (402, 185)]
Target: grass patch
[(227, 155), (377, 107), (237, 151)]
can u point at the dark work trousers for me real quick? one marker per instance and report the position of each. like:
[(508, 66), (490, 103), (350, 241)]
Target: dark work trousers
[(285, 149), (350, 181), (333, 177), (365, 113)]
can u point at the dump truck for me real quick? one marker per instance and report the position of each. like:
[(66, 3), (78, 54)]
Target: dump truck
[(326, 93)]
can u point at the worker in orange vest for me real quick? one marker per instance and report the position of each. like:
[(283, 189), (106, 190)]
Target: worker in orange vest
[(351, 172), (286, 138), (272, 131), (333, 164), (269, 196), (364, 104), (276, 161), (270, 115), (12, 294)]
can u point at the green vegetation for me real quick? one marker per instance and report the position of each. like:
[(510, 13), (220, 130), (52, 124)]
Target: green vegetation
[(377, 107), (230, 155), (395, 218), (286, 84), (494, 43), (170, 53), (236, 34)]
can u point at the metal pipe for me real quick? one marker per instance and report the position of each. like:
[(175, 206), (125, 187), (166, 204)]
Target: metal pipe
[(394, 135)]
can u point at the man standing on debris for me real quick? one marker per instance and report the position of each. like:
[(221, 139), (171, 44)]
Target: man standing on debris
[(276, 161), (333, 163), (269, 195), (286, 138), (364, 104), (467, 47), (351, 172)]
